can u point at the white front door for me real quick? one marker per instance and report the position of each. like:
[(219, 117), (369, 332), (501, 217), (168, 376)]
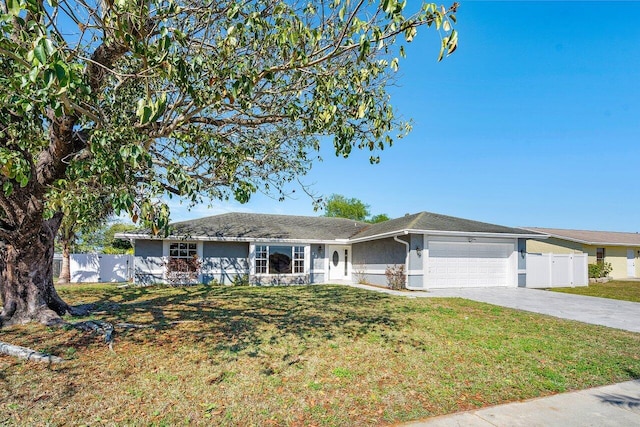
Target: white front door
[(631, 263), (339, 262)]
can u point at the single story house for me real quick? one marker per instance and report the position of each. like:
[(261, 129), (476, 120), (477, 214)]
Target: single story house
[(622, 250), (436, 250)]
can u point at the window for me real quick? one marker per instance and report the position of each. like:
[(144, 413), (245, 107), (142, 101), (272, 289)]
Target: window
[(261, 259), (183, 263), (600, 255), (298, 259), (183, 250), (279, 259)]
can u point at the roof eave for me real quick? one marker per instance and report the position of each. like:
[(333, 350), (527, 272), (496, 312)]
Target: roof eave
[(587, 242), (447, 233), (229, 239)]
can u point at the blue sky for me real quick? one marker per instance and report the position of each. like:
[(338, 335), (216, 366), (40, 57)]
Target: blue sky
[(534, 121)]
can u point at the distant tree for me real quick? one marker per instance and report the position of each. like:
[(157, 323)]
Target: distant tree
[(378, 218), (339, 206), (101, 239), (117, 246)]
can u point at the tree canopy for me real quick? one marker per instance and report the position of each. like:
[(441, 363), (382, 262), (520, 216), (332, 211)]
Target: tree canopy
[(217, 98), (340, 206)]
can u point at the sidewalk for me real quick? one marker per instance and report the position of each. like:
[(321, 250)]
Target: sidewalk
[(612, 405)]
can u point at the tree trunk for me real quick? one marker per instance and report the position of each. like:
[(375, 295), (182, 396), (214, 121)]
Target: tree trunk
[(26, 276), (65, 269)]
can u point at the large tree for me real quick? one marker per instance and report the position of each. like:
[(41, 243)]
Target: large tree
[(215, 98)]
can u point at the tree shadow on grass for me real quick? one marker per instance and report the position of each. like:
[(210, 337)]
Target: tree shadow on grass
[(243, 317)]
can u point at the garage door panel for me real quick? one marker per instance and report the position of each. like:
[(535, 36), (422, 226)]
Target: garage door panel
[(468, 264)]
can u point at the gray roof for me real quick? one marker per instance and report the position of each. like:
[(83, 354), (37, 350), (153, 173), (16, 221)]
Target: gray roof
[(428, 221), (612, 238), (253, 226)]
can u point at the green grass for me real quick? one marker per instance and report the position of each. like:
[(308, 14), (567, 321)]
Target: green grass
[(616, 289), (308, 355)]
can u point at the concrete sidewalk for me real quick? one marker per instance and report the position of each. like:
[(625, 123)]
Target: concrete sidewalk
[(612, 405)]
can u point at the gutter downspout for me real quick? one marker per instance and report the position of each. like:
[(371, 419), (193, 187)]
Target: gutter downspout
[(406, 258)]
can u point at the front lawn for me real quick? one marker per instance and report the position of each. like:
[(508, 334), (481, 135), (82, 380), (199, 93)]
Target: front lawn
[(616, 289), (308, 355)]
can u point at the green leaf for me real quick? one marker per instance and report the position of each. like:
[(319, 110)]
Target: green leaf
[(14, 7), (146, 115), (7, 187), (62, 74), (33, 74), (40, 54), (49, 47), (394, 64)]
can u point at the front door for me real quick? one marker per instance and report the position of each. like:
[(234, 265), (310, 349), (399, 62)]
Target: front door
[(339, 262), (631, 263)]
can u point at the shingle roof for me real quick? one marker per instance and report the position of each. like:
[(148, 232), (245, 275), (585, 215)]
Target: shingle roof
[(264, 226), (252, 226), (436, 222), (613, 238)]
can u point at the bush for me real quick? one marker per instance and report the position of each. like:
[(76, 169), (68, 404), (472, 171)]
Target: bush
[(395, 276), (360, 276), (183, 270), (240, 280), (597, 271)]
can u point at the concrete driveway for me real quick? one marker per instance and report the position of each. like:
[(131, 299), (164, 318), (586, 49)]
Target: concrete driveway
[(598, 311)]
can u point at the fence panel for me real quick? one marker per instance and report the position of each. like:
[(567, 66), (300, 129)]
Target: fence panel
[(556, 270), (88, 268)]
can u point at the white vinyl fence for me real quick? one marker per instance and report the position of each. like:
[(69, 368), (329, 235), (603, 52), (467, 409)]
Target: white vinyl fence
[(100, 268), (557, 270)]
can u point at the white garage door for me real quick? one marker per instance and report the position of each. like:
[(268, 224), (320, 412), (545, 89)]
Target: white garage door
[(466, 265)]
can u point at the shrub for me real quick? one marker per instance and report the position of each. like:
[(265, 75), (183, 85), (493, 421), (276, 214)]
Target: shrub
[(360, 276), (597, 271), (395, 276), (183, 270), (240, 280)]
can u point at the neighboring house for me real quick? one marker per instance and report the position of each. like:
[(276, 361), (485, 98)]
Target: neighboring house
[(436, 250), (622, 250)]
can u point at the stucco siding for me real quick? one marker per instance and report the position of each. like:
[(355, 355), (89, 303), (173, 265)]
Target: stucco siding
[(371, 259), (383, 252), (416, 245), (148, 270), (554, 245), (148, 248), (223, 262), (148, 263), (616, 256), (373, 279)]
